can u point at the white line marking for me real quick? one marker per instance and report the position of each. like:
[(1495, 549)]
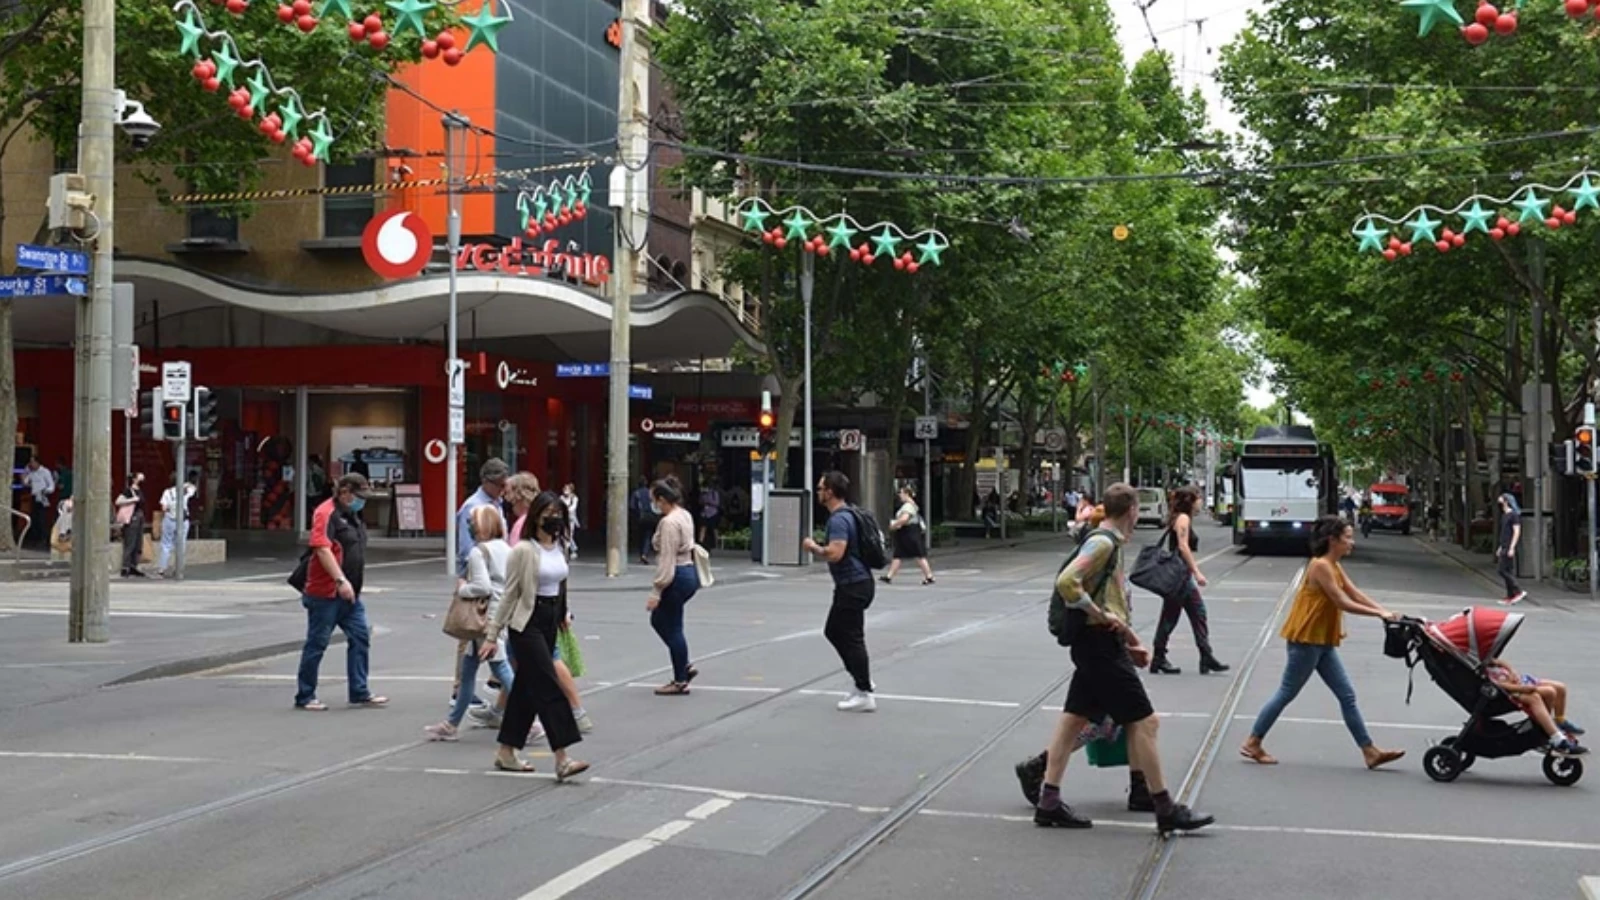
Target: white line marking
[(334, 680), (1294, 720), (279, 576), (589, 870), (64, 665), (104, 757), (739, 795), (1470, 839), (18, 611), (732, 689)]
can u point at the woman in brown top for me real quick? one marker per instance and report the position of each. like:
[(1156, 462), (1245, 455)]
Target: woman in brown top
[(676, 580)]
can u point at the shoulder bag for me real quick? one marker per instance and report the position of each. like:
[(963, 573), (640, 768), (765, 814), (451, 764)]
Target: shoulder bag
[(467, 619), (1160, 569), (702, 566)]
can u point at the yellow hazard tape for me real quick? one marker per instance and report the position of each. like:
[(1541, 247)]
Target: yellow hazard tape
[(375, 188)]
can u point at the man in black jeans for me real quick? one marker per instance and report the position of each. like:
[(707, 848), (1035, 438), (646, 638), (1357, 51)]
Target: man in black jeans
[(852, 589), (1506, 550)]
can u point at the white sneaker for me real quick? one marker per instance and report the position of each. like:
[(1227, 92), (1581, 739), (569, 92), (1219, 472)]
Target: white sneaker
[(1513, 601), (585, 724), (858, 702), (484, 717)]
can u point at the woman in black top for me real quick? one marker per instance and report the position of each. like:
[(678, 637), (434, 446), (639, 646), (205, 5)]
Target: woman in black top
[(1187, 599), (1505, 553), (130, 512)]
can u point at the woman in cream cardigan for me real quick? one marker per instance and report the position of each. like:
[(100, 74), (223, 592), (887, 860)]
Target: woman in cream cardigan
[(532, 610)]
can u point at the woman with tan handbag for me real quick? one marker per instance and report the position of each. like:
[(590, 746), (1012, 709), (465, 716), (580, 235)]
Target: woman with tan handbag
[(676, 580), (478, 597), (533, 608)]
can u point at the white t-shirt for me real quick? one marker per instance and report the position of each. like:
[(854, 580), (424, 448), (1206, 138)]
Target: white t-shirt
[(553, 569), (169, 498), (571, 501), (41, 484)]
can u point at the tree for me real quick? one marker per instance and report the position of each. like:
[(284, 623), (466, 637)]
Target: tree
[(204, 144)]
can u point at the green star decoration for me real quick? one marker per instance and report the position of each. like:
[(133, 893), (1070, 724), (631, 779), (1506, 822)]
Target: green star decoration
[(522, 212), (1431, 11), (321, 140), (540, 205), (839, 234), (342, 7), (930, 248), (1477, 219), (1532, 207), (226, 63), (485, 27), (886, 243), (755, 218), (797, 224), (1423, 226), (292, 113), (1586, 194), (585, 188), (410, 12), (259, 90), (1371, 237), (192, 33)]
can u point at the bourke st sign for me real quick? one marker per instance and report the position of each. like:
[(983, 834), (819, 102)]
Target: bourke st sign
[(548, 259)]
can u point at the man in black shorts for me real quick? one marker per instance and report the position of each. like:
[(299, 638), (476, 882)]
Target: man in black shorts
[(1105, 683)]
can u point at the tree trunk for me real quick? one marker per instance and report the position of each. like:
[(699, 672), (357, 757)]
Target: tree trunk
[(1469, 442), (1028, 416)]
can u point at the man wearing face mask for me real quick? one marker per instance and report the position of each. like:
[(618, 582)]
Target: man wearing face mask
[(332, 595)]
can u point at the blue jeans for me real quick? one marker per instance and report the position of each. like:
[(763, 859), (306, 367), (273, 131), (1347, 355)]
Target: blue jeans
[(1323, 660), (667, 618), (499, 665), (322, 616), (169, 537)]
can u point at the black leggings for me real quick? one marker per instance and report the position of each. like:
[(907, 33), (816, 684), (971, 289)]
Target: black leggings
[(1186, 601), (1506, 568), (536, 691)]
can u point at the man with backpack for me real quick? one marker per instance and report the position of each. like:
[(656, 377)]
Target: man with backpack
[(1092, 617), (854, 548)]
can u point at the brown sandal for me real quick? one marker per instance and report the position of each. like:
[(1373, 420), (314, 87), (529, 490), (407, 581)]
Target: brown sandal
[(1258, 754), (673, 689)]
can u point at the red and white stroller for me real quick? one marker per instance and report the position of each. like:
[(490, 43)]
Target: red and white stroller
[(1454, 652)]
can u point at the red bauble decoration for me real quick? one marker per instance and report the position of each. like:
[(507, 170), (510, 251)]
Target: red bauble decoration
[(1449, 235), (855, 255), (1457, 240), (199, 71), (1390, 255), (378, 39), (1569, 216), (1514, 229), (238, 97), (267, 127), (301, 7), (1497, 233), (212, 84), (1475, 33), (532, 232), (912, 267), (306, 23), (1576, 8), (1552, 222), (279, 137), (373, 23), (581, 209), (780, 242), (1486, 14), (899, 264), (247, 111), (1506, 24), (447, 41), (1443, 246), (237, 7), (1405, 249), (566, 218), (430, 49), (1394, 244), (452, 56), (285, 14), (766, 237), (1501, 223), (822, 249), (358, 32)]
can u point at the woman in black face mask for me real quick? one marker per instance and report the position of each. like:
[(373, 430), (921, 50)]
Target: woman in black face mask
[(534, 608)]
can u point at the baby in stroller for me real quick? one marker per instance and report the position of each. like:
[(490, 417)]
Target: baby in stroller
[(1544, 701)]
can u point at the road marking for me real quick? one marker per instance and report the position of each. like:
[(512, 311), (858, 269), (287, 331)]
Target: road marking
[(64, 665), (593, 868), (1360, 834), (126, 614), (104, 757), (1295, 720), (739, 795), (332, 680), (279, 576)]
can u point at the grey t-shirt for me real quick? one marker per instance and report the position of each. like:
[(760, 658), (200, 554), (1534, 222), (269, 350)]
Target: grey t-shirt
[(850, 569)]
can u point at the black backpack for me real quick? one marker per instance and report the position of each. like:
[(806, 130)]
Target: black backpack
[(870, 545), (1067, 623)]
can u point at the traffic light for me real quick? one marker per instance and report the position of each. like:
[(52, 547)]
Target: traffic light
[(150, 416), (1564, 458), (1584, 450), (205, 413), (172, 421), (767, 425)]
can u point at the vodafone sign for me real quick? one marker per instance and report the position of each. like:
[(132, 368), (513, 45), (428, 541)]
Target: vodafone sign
[(397, 244)]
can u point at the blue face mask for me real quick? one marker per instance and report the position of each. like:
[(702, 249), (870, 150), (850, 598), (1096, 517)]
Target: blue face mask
[(357, 504)]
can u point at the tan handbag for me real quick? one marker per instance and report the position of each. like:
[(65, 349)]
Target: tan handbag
[(702, 566), (467, 619)]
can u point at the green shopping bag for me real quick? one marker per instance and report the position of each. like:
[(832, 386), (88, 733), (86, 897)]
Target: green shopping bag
[(1108, 754), (571, 654)]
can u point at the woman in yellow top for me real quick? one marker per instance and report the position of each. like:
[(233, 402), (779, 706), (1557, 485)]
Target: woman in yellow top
[(1313, 631)]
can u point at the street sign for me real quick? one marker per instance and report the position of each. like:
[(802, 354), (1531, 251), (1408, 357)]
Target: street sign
[(41, 286), (851, 439), (133, 381), (1055, 440), (641, 392), (52, 259), (927, 428), (176, 383), (583, 370), (458, 425), (456, 371)]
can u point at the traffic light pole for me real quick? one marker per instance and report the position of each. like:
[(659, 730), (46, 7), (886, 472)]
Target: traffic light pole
[(181, 506)]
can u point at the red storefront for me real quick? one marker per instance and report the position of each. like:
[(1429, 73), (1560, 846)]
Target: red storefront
[(389, 403)]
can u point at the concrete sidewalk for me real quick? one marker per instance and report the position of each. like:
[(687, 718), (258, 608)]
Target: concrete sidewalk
[(1548, 592)]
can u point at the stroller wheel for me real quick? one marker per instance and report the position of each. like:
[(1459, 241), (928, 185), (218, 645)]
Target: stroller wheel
[(1467, 759), (1562, 770), (1443, 763)]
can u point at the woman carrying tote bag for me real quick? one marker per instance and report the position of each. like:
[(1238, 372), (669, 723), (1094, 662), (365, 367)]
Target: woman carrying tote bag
[(486, 580), (1186, 600)]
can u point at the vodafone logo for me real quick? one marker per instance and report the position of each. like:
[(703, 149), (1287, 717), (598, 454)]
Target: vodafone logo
[(397, 244)]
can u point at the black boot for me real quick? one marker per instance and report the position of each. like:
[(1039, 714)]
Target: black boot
[(1139, 793), (1030, 772), (1160, 666), (1209, 664), (1182, 818)]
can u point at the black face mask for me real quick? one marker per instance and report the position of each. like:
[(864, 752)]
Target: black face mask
[(551, 525)]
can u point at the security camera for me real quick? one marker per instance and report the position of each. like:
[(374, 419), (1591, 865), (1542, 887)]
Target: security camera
[(138, 125)]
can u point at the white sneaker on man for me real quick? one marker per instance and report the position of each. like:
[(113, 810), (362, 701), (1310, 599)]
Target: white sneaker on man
[(1514, 600), (858, 701)]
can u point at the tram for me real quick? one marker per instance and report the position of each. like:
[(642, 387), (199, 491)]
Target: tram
[(1283, 480)]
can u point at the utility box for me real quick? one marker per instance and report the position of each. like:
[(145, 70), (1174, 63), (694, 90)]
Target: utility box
[(787, 507)]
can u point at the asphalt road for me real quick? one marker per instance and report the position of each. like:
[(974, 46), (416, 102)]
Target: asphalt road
[(210, 785)]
